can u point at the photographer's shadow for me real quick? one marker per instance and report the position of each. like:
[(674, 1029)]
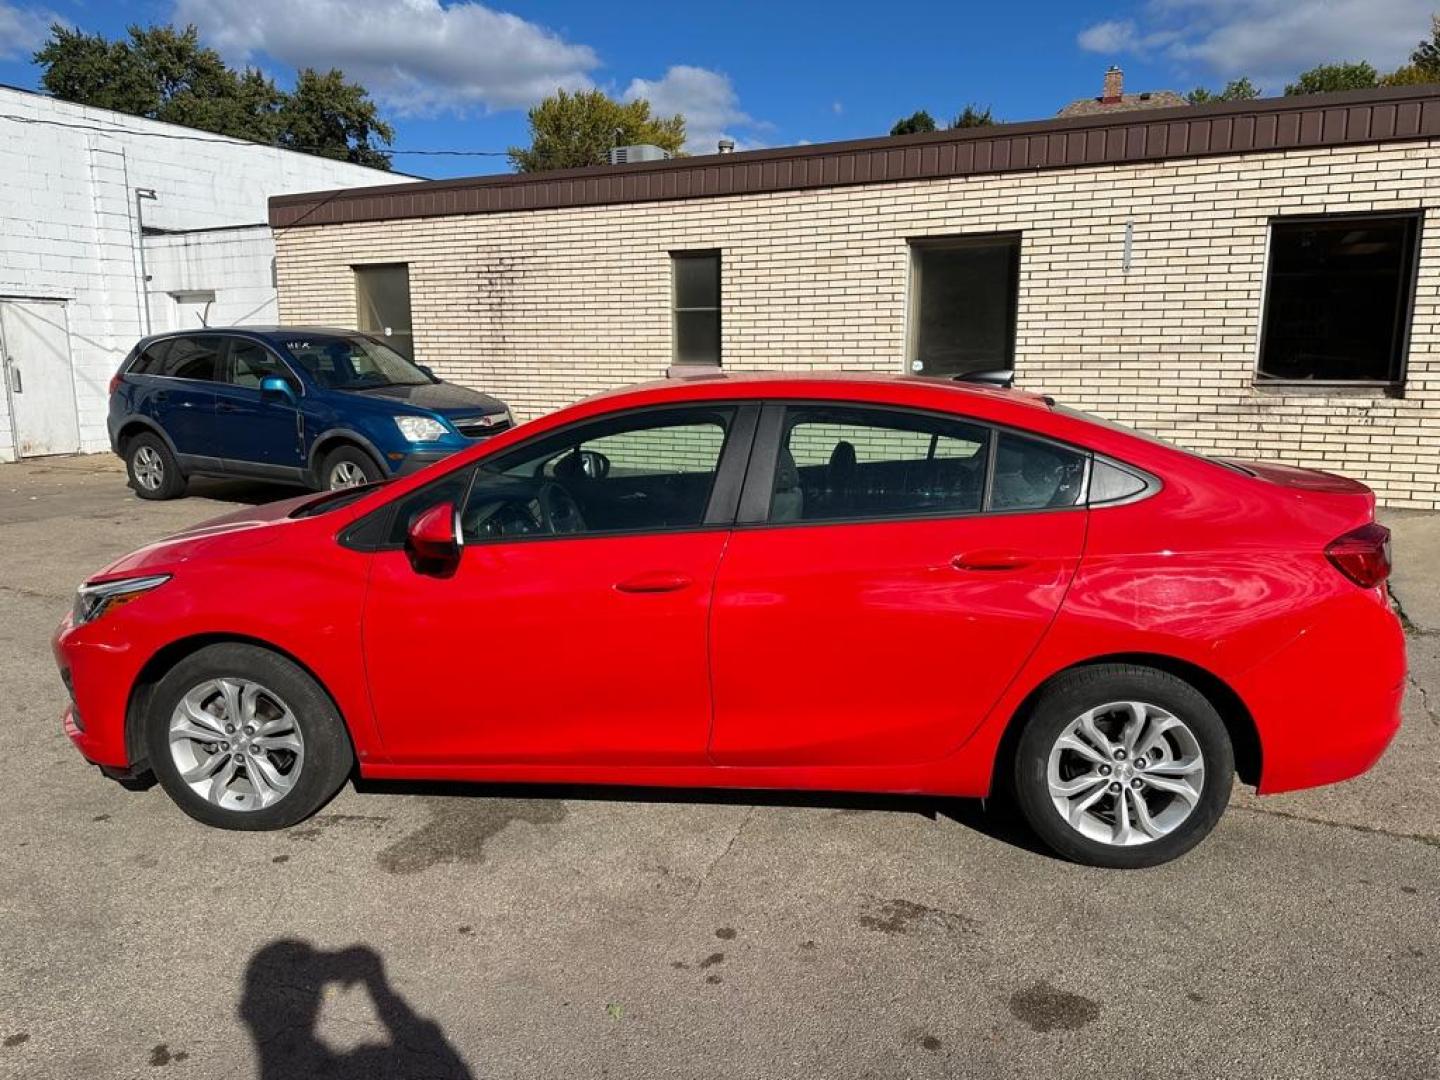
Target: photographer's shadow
[(284, 989)]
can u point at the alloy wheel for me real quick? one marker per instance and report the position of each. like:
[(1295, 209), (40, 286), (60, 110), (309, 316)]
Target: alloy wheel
[(149, 468), (1126, 773), (345, 474), (236, 744)]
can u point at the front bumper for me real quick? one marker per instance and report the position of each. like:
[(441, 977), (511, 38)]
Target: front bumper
[(98, 672), (419, 459)]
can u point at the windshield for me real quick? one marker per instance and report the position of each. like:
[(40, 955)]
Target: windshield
[(354, 362)]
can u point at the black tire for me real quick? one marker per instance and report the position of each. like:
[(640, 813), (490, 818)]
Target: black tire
[(1076, 692), (146, 455), (346, 455), (328, 756)]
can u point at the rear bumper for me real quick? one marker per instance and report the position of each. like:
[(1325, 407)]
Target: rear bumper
[(1328, 704)]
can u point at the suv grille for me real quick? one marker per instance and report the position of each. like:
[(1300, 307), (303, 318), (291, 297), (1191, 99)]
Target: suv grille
[(481, 427)]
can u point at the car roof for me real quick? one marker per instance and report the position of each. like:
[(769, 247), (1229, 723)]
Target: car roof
[(269, 333)]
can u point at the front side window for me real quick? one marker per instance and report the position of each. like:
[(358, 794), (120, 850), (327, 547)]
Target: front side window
[(353, 362), (696, 307), (645, 472), (382, 298), (963, 304), (250, 362), (191, 358), (1338, 298), (841, 462)]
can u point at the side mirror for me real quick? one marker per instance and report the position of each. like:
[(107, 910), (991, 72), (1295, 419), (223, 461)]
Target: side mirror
[(273, 386), (432, 540)]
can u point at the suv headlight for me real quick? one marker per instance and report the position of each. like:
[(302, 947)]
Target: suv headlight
[(421, 428), (92, 601)]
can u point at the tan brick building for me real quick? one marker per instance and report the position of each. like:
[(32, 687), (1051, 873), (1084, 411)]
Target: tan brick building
[(1253, 279)]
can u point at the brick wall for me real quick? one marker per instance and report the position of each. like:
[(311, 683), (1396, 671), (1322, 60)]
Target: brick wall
[(545, 307)]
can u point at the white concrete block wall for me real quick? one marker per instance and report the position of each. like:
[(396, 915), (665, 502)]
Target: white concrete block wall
[(243, 259), (69, 227), (544, 307)]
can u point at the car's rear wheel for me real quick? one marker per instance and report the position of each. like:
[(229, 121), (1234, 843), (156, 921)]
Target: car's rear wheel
[(242, 738), (154, 473), (347, 467), (1122, 766)]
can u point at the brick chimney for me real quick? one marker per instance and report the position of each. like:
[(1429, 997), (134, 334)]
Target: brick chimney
[(1114, 86)]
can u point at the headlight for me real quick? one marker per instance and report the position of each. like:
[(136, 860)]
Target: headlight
[(421, 428), (92, 601)]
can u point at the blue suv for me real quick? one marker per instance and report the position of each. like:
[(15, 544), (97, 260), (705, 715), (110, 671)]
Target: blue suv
[(308, 405)]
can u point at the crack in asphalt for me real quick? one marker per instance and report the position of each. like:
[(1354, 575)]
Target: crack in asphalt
[(1371, 830), (33, 594), (1425, 705)]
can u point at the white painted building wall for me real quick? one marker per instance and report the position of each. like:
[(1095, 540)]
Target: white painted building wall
[(71, 224)]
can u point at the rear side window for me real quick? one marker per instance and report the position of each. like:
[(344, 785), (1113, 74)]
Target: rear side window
[(846, 463), (190, 358), (150, 361), (1034, 475)]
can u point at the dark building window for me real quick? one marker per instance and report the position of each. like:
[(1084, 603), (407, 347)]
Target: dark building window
[(963, 301), (696, 276), (382, 295), (1338, 297)]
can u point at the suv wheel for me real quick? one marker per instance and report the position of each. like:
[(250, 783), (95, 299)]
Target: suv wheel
[(347, 467), (241, 738), (154, 473), (1123, 766)]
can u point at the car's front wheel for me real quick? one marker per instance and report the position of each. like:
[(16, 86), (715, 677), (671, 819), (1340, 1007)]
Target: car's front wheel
[(1122, 766), (242, 738), (347, 467)]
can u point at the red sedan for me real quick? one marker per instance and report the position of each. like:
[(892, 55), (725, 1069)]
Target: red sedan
[(859, 583)]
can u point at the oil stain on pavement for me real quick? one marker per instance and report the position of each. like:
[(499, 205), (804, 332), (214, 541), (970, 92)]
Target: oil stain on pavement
[(906, 917), (1041, 1007), (459, 829)]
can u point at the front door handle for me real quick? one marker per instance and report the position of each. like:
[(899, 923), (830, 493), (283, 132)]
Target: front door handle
[(992, 559), (656, 581), (225, 406)]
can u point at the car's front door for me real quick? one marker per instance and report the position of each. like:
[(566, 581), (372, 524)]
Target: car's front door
[(891, 582), (255, 427), (574, 627)]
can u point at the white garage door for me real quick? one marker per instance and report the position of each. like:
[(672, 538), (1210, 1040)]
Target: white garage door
[(39, 383)]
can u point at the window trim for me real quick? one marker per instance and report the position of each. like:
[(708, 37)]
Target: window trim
[(228, 367), (221, 357), (720, 508), (913, 285), (754, 509), (1405, 306), (719, 309)]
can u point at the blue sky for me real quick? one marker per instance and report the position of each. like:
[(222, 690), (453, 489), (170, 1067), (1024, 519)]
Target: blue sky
[(458, 75)]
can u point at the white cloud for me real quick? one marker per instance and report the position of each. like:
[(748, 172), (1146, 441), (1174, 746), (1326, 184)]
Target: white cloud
[(415, 55), (838, 108), (1268, 40), (705, 98), (23, 30)]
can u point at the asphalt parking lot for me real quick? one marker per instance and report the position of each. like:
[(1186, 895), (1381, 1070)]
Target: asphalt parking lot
[(475, 932)]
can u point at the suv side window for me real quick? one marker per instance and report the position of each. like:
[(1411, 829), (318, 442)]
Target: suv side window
[(848, 463), (191, 358), (250, 362), (151, 360)]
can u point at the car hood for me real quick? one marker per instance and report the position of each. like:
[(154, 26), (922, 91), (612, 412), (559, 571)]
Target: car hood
[(445, 398), (250, 528)]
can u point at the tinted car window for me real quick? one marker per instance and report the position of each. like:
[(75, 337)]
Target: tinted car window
[(250, 362), (1035, 475), (190, 358), (854, 463), (645, 472), (151, 360)]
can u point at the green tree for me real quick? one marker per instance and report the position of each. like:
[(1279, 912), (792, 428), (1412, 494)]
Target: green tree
[(1326, 77), (972, 116), (164, 74), (914, 124), (1241, 89), (329, 116), (570, 131), (1426, 56)]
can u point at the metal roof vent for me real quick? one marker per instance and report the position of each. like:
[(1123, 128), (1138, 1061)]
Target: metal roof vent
[(628, 155)]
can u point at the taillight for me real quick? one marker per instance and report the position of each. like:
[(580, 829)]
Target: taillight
[(1362, 555), (115, 382)]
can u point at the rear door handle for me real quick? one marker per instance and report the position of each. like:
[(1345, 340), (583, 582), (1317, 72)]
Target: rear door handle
[(992, 559), (656, 581)]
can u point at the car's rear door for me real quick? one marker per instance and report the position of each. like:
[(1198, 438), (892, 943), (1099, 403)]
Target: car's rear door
[(256, 431), (555, 647), (890, 572), (181, 393)]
